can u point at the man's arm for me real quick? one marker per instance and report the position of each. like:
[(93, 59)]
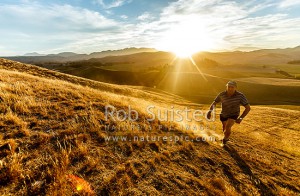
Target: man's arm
[(212, 106), (244, 114)]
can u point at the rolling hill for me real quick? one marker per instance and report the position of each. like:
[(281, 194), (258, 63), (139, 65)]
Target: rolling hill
[(198, 81), (54, 141), (263, 56)]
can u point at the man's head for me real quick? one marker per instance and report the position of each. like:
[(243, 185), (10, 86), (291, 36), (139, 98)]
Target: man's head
[(231, 87)]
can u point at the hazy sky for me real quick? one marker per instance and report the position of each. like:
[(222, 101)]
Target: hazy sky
[(86, 26)]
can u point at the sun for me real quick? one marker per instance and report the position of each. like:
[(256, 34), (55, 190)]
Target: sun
[(180, 44), (184, 51), (186, 38)]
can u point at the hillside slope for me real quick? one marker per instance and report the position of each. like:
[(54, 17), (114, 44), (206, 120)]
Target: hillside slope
[(199, 83), (54, 141)]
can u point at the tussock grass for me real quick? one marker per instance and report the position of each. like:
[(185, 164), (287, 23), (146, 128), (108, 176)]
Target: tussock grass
[(52, 142)]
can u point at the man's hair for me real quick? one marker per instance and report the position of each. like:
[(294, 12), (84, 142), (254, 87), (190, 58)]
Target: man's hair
[(231, 83)]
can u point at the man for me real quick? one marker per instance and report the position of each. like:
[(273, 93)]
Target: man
[(231, 99)]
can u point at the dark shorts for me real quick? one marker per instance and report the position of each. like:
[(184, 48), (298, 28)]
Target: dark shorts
[(234, 117)]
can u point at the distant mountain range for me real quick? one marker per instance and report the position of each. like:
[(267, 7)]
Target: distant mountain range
[(34, 54), (262, 56), (71, 56)]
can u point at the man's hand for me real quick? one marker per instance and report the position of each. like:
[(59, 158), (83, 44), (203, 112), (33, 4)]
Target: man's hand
[(239, 120), (209, 114), (211, 108)]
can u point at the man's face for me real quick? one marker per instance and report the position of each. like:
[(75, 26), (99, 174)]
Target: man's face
[(230, 89)]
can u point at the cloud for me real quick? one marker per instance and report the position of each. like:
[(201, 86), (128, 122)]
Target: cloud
[(124, 17), (113, 4), (54, 18), (53, 26), (289, 3), (145, 16), (222, 24)]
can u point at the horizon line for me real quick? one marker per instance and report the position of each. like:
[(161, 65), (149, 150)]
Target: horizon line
[(238, 49)]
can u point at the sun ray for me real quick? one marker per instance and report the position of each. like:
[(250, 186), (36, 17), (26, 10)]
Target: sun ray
[(177, 73), (197, 67)]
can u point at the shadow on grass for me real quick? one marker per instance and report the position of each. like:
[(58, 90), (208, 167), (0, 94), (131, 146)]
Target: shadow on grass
[(264, 190)]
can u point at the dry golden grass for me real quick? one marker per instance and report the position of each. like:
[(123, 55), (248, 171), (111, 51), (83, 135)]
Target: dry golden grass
[(52, 142), (271, 81)]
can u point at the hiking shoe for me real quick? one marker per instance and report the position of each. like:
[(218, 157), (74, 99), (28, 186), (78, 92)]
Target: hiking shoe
[(224, 141)]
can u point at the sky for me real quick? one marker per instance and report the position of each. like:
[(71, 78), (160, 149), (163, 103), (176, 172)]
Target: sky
[(180, 26)]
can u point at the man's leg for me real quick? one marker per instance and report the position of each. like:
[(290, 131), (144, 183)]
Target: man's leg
[(228, 125), (224, 125)]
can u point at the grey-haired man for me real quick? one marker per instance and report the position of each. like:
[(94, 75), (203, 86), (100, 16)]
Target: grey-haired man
[(231, 99)]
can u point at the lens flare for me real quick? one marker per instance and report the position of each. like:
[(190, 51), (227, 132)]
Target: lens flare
[(80, 184)]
